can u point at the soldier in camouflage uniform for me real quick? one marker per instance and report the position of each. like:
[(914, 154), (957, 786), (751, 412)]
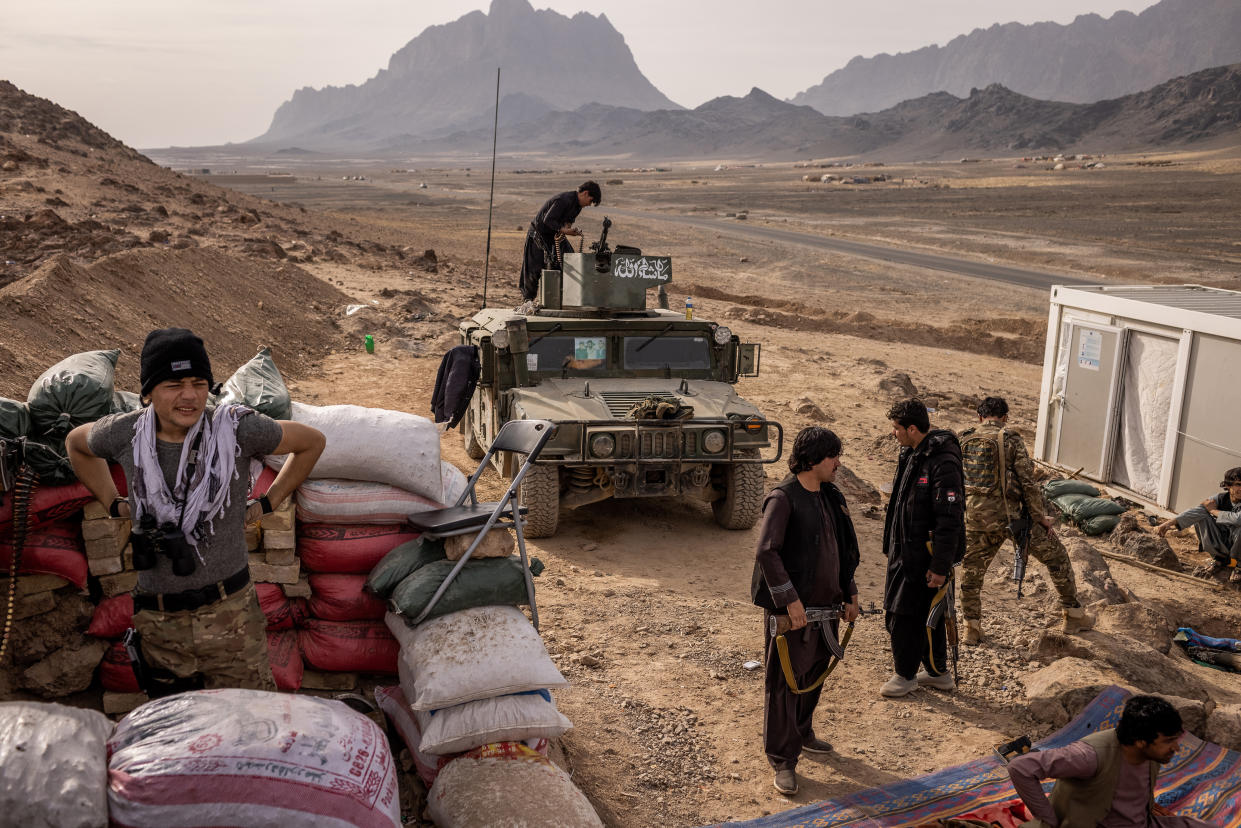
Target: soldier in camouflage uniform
[(994, 495)]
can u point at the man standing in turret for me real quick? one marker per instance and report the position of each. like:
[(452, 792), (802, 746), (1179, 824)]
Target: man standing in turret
[(555, 218), (1000, 490)]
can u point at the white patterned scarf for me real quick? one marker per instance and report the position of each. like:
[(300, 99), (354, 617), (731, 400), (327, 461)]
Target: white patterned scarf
[(206, 494)]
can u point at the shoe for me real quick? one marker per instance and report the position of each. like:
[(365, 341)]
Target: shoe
[(1235, 577), (897, 687), (816, 745), (1077, 620), (943, 681), (786, 782), (1214, 569), (973, 632)]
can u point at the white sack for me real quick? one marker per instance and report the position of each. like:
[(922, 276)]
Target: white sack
[(375, 444), (252, 758), (356, 502), (476, 653), (510, 718), (508, 793), (53, 766)]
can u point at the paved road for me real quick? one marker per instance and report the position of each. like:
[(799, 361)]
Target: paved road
[(934, 261)]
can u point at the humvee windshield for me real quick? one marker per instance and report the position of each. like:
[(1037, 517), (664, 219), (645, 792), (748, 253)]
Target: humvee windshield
[(684, 353), (579, 353)]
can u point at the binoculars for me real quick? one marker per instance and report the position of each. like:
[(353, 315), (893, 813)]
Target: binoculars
[(151, 539)]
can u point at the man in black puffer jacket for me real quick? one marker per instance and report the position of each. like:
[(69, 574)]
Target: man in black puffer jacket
[(923, 537)]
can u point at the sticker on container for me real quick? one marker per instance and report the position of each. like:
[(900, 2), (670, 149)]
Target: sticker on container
[(1089, 350), (532, 361)]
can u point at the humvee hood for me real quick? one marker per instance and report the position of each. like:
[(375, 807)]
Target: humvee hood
[(611, 398)]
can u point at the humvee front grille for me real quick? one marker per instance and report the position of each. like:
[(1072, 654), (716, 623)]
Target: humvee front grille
[(619, 403)]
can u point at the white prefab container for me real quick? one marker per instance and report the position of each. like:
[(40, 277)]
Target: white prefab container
[(1140, 389)]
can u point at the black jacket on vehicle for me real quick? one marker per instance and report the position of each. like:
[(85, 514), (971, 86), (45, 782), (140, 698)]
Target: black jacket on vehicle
[(454, 384), (927, 504), (799, 554)]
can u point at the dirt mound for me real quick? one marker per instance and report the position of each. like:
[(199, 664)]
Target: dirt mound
[(51, 124), (235, 304)]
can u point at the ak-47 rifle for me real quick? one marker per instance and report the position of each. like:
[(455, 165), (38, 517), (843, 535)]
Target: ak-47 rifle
[(1019, 528)]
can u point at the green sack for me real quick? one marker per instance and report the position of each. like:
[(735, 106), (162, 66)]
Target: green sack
[(74, 391), (259, 385), (14, 419), (125, 401), (1099, 524), (481, 583), (1093, 507), (1055, 488), (400, 562), (1066, 503), (50, 460)]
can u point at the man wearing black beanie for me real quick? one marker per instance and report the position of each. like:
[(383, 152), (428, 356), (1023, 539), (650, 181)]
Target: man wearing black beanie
[(187, 467)]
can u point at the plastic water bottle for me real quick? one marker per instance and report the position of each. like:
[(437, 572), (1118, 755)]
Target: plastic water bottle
[(689, 307), (370, 344)]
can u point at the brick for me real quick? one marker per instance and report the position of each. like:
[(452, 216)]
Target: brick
[(281, 520), (119, 583), (105, 566), (279, 539), (268, 574), (32, 584), (299, 590), (254, 537), (104, 547), (94, 511), (105, 528), (116, 703), (31, 605), (319, 680), (281, 557)]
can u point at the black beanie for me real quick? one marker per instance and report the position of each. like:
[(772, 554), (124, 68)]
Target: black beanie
[(173, 353)]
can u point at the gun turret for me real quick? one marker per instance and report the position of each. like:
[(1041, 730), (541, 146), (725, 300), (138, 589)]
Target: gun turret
[(603, 278)]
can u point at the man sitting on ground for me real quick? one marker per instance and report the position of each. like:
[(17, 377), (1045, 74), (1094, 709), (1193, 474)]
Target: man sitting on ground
[(1217, 520), (1107, 778)]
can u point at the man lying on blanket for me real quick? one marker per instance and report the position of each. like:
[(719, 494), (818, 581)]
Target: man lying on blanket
[(1108, 778)]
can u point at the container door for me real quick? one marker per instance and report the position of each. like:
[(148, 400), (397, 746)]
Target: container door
[(1086, 401), (1147, 378)]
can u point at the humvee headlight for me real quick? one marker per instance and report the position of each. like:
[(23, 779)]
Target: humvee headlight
[(713, 442), (722, 335), (602, 445), (754, 424)]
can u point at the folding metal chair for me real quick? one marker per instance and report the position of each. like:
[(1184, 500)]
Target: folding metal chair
[(527, 437)]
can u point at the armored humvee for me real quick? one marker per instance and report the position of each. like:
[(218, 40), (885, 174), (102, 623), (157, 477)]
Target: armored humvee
[(643, 397)]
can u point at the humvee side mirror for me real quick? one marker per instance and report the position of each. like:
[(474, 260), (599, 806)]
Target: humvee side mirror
[(747, 359)]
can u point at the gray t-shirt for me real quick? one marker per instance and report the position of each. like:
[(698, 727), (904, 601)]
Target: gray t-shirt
[(224, 549)]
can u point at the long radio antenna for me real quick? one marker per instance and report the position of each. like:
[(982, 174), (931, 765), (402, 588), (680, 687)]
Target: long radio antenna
[(495, 131)]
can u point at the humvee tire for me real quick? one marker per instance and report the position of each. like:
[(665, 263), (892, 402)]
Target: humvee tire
[(540, 493), (742, 503), (469, 437)]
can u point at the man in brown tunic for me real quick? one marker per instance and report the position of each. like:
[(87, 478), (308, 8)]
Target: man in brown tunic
[(807, 554)]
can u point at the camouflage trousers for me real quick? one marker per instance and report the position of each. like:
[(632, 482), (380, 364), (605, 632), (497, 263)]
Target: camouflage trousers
[(224, 642), (980, 550)]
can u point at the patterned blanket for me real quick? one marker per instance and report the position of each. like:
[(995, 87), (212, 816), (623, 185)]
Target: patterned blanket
[(1202, 780)]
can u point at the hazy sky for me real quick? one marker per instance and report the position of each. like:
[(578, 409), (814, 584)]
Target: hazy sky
[(192, 72)]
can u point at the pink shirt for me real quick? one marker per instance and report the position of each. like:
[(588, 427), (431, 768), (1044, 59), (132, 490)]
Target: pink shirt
[(1079, 761)]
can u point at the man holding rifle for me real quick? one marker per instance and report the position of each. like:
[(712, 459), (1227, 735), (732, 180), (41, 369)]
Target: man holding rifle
[(1002, 501)]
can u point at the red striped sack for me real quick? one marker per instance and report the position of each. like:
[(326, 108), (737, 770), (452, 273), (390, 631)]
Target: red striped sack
[(285, 658), (55, 502), (349, 646), (54, 549), (324, 547), (112, 617), (116, 673), (342, 598)]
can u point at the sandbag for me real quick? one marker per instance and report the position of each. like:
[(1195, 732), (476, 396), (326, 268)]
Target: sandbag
[(524, 790), (510, 718), (49, 457), (282, 612), (498, 543), (53, 766), (454, 482), (324, 547), (391, 701), (54, 549), (125, 401), (260, 484), (252, 758), (76, 390), (1055, 488), (348, 646), (343, 598), (258, 384), (52, 503), (1099, 524), (285, 656), (1094, 507), (14, 419), (116, 671), (354, 502), (1066, 503), (375, 444), (112, 617), (480, 583), (473, 654), (400, 562)]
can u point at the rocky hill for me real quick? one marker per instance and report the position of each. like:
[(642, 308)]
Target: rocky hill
[(444, 80), (1088, 60), (1203, 106)]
